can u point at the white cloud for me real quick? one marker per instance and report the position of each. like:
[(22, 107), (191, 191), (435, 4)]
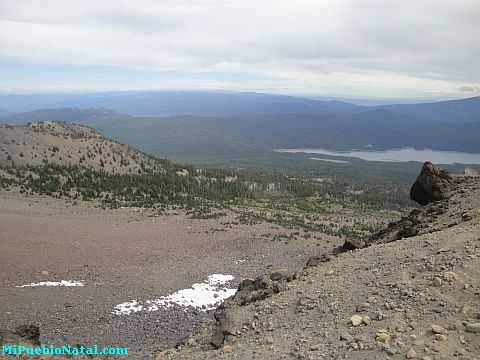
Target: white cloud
[(472, 89), (407, 46)]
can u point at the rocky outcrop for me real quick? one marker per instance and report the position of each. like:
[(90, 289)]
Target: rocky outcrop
[(433, 184), (249, 291), (317, 260), (348, 245), (444, 196), (434, 188), (404, 300), (353, 244)]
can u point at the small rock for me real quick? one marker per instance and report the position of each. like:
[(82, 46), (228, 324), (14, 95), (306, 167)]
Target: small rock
[(356, 320), (473, 328), (283, 275), (345, 336), (390, 350), (440, 337), (270, 326), (379, 315), (263, 282), (468, 310), (383, 337), (227, 349), (467, 217), (411, 354), (161, 355), (269, 340), (317, 260), (362, 307), (353, 244), (191, 342), (303, 301), (437, 329), (437, 282), (366, 320)]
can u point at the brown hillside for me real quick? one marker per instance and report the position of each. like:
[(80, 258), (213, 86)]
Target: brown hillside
[(44, 142), (416, 298)]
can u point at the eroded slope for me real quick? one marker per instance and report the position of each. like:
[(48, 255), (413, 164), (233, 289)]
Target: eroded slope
[(414, 298)]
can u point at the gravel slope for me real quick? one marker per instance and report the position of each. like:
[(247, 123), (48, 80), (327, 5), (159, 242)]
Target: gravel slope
[(122, 255), (414, 298)]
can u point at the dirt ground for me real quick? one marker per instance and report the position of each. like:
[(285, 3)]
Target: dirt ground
[(122, 255), (414, 298)]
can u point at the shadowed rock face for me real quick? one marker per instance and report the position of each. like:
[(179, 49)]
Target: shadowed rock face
[(433, 184), (447, 200)]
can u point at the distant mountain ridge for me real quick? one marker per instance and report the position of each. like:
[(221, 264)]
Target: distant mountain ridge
[(233, 104), (465, 110), (196, 103), (276, 122), (70, 114)]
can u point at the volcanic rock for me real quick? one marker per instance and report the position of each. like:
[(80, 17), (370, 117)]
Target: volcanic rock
[(433, 184), (353, 244)]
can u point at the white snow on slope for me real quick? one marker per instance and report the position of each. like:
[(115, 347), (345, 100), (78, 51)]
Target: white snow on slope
[(53, 283), (204, 296)]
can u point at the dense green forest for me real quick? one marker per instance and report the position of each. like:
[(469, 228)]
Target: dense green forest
[(187, 185), (307, 204)]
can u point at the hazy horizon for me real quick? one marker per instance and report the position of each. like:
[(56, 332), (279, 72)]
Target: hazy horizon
[(354, 99)]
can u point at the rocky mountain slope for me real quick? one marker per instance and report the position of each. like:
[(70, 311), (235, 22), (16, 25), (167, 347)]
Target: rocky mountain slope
[(62, 143), (447, 201), (417, 298)]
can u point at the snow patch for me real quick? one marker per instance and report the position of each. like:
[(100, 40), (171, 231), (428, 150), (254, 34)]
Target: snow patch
[(204, 296), (53, 283), (219, 279)]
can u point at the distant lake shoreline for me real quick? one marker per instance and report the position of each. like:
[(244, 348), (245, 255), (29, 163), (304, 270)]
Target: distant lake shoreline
[(396, 155)]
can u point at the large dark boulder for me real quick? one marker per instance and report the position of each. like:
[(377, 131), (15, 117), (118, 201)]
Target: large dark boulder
[(433, 184)]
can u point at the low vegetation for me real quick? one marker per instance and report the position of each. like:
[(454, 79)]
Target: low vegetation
[(303, 204), (74, 162)]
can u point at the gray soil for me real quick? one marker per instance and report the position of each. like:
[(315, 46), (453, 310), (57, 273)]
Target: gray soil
[(414, 298), (122, 255)]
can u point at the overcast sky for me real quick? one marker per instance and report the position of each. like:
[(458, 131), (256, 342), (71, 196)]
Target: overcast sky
[(394, 48)]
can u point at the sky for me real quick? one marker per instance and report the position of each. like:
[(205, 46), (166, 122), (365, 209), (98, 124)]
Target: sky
[(349, 48)]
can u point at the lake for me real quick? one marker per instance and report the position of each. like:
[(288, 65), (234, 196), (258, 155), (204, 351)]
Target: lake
[(397, 155)]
